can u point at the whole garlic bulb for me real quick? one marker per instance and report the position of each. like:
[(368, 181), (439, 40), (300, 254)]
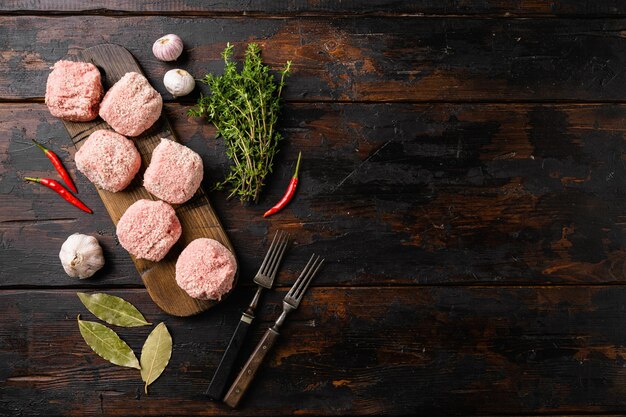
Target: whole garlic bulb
[(179, 82), (168, 48), (81, 256)]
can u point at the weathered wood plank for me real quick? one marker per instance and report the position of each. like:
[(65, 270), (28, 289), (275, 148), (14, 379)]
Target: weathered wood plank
[(439, 7), (363, 59), (444, 350), (412, 194)]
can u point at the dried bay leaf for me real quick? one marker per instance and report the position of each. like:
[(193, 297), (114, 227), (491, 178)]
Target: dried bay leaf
[(155, 354), (113, 310), (106, 343)]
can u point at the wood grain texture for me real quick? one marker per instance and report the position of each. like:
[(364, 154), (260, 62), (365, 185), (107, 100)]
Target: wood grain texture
[(389, 193), (196, 216), (471, 351), (350, 59), (463, 173), (581, 8)]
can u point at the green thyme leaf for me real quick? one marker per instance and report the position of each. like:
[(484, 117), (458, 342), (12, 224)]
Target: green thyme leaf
[(155, 354), (106, 343), (244, 107), (113, 310)]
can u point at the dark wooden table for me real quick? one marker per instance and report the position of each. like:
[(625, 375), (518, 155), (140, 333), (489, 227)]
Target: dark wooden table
[(464, 174)]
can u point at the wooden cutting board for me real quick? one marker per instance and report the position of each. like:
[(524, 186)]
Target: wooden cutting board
[(196, 215)]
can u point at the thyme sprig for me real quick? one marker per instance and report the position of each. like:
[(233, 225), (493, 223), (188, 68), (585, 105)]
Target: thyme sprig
[(244, 107)]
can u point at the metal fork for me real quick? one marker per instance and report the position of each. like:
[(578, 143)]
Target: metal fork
[(290, 303), (264, 279)]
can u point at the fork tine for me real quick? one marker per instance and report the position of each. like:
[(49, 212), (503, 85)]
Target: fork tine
[(272, 256), (298, 282), (305, 283), (269, 252), (279, 257)]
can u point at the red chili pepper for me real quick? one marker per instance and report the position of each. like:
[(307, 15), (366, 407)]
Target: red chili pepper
[(62, 191), (291, 189), (56, 161)]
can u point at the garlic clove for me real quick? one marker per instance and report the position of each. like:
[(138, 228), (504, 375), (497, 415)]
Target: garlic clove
[(81, 256), (179, 82), (168, 48)]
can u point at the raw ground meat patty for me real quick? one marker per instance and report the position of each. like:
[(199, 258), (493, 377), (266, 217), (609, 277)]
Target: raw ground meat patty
[(131, 106), (175, 172), (73, 91), (206, 269), (109, 160), (148, 229)]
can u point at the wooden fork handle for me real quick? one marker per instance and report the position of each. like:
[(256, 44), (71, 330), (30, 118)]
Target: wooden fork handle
[(245, 377)]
